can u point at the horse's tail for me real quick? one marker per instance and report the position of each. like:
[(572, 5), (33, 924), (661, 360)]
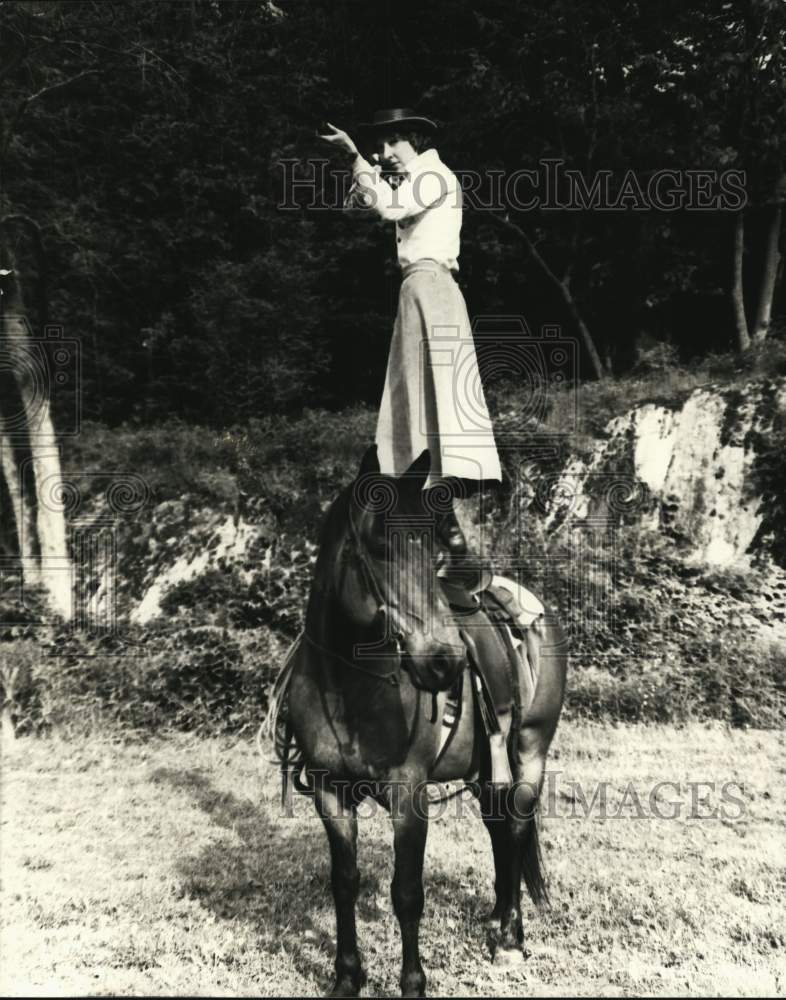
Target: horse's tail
[(277, 698), (532, 865), (286, 768), (277, 727)]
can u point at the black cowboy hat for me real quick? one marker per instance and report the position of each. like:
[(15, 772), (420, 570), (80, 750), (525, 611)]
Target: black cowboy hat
[(404, 118)]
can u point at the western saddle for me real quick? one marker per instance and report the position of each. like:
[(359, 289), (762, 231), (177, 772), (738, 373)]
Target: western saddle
[(495, 616)]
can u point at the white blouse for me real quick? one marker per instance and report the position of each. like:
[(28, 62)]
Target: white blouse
[(426, 206)]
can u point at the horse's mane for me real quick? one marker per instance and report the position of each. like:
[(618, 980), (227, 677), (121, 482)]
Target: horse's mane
[(332, 533), (334, 523)]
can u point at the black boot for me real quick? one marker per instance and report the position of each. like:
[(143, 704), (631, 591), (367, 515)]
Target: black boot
[(462, 568), (450, 534)]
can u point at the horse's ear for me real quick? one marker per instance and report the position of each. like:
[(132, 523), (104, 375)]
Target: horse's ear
[(417, 473), (369, 462)]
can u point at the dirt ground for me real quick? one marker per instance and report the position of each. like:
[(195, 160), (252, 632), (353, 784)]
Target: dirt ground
[(171, 868)]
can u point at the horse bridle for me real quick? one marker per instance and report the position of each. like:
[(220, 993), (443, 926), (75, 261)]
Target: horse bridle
[(384, 606), (386, 609)]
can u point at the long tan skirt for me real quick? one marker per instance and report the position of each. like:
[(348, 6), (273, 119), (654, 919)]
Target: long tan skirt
[(433, 397)]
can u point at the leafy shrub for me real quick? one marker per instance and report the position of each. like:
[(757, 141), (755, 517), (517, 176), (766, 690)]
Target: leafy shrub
[(733, 679), (651, 638), (198, 679), (659, 358), (274, 595)]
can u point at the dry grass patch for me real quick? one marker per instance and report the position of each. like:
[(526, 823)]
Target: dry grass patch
[(170, 868)]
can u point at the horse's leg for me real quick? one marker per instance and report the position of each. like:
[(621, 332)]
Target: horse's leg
[(523, 857), (546, 650), (496, 823), (341, 824), (409, 813)]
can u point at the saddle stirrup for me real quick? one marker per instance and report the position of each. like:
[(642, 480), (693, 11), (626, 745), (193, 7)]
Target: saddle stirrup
[(497, 723), (498, 747)]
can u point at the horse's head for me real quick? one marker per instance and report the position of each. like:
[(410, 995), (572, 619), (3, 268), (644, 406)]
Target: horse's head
[(387, 587)]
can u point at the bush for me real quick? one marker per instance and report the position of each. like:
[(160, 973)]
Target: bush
[(650, 638), (274, 595), (203, 680), (659, 358), (290, 467), (730, 679)]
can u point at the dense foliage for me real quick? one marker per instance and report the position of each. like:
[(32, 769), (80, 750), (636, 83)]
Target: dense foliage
[(656, 639), (148, 143)]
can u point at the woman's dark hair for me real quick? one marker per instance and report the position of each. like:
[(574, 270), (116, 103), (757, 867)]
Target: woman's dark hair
[(419, 141)]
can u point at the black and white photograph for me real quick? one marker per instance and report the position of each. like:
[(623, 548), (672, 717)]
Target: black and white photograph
[(392, 498)]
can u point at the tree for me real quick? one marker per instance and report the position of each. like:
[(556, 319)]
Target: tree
[(726, 65), (31, 456)]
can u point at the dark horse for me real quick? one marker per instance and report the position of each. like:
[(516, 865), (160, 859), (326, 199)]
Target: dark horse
[(368, 688)]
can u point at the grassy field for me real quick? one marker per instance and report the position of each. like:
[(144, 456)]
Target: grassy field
[(170, 868)]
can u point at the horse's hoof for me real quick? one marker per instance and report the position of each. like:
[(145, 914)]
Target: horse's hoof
[(508, 958), (413, 985), (343, 989), (347, 986)]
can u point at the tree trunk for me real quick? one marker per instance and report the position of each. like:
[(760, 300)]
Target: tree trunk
[(23, 527), (7, 724), (769, 276), (53, 566), (586, 336), (737, 293), (563, 287), (8, 679)]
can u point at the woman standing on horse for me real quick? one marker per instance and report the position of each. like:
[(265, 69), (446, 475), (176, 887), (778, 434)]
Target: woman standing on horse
[(433, 396)]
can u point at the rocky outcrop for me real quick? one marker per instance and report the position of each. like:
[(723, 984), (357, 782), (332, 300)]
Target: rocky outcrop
[(225, 541), (695, 472), (213, 566)]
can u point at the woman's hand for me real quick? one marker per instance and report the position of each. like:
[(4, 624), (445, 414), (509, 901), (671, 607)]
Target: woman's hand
[(340, 139)]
